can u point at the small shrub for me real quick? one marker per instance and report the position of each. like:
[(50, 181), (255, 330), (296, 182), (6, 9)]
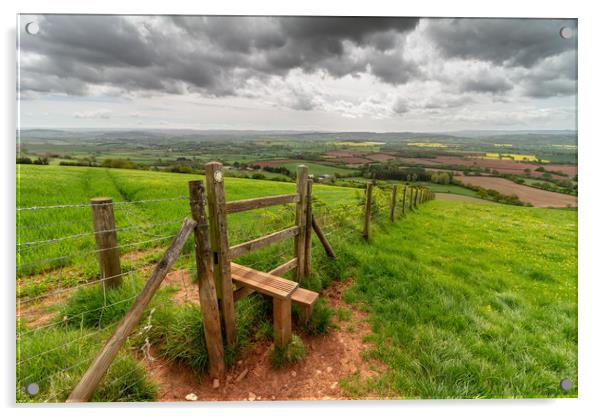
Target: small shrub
[(293, 352), (179, 335), (321, 319)]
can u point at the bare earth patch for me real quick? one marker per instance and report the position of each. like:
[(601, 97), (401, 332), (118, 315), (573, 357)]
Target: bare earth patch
[(328, 359), (538, 197)]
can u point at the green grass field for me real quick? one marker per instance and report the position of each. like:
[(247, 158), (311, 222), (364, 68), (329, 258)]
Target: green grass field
[(148, 223), (449, 189), (465, 300), (470, 300)]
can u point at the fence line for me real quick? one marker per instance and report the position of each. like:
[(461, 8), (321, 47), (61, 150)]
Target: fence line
[(141, 201), (331, 221)]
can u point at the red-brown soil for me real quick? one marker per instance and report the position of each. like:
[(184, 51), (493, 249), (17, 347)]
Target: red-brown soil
[(538, 197), (328, 359), (380, 157), (353, 160), (345, 153)]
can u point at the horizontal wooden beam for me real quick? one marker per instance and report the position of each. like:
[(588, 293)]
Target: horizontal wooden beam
[(248, 204), (244, 248), (261, 282), (244, 291), (283, 268)]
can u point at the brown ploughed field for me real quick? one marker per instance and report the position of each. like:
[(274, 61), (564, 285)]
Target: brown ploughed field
[(537, 197)]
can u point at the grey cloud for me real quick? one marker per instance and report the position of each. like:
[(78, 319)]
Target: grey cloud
[(392, 68), (213, 55), (537, 88), (221, 56), (400, 106), (485, 83), (512, 42)]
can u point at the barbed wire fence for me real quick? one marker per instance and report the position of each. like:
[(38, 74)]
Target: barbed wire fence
[(64, 310)]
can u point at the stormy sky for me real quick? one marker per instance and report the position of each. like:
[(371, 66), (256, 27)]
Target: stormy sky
[(296, 73)]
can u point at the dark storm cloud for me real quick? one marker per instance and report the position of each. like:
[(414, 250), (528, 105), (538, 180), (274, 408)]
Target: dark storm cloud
[(214, 55), (511, 42), (218, 56)]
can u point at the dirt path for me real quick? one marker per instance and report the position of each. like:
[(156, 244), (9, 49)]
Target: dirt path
[(328, 359)]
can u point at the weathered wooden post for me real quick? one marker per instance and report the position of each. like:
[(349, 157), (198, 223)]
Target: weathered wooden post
[(415, 197), (301, 218), (207, 293), (403, 199), (393, 202), (308, 226), (218, 230), (106, 241), (282, 321), (368, 211)]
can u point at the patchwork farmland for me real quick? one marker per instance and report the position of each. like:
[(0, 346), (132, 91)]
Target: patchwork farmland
[(537, 197)]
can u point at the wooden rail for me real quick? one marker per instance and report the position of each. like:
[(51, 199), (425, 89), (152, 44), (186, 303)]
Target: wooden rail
[(249, 204), (283, 268), (84, 390), (256, 244)]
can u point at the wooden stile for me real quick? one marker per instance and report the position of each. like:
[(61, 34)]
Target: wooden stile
[(84, 390), (301, 218), (216, 199), (106, 241), (207, 292)]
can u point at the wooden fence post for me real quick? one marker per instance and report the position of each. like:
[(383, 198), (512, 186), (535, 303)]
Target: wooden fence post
[(415, 197), (216, 199), (393, 202), (308, 226), (207, 294), (301, 218), (86, 386), (106, 241), (368, 211), (403, 199)]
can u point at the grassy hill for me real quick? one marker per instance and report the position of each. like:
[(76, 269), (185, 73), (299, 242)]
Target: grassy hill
[(470, 300), (464, 300)]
